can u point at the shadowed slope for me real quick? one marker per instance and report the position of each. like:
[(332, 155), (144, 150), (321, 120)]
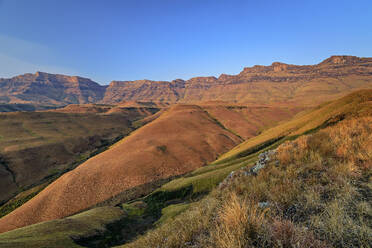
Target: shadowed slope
[(64, 232), (182, 139), (37, 145)]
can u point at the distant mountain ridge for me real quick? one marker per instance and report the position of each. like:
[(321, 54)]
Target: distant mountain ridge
[(50, 89), (279, 82)]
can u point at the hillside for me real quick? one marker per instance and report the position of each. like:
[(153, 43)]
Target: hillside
[(65, 232), (278, 83), (175, 141), (5, 107), (312, 186), (314, 191), (180, 140), (269, 204), (37, 146), (248, 121), (354, 104)]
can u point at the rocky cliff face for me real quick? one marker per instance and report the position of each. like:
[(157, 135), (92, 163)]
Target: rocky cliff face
[(279, 82), (145, 90), (50, 89)]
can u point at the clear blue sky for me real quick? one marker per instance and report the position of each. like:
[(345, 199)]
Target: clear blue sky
[(168, 39)]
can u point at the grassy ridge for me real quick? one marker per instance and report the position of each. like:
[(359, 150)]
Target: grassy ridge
[(203, 180), (37, 147), (28, 193), (355, 104), (317, 196)]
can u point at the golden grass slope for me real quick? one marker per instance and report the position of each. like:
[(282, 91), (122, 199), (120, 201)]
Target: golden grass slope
[(347, 143), (182, 139), (248, 120), (314, 193), (357, 103)]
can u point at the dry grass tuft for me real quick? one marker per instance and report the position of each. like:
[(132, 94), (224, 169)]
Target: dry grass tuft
[(239, 224), (286, 234)]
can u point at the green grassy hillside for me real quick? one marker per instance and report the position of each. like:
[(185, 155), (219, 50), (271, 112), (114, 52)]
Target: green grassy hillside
[(66, 232)]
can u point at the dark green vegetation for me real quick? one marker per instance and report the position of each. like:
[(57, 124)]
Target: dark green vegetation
[(65, 232), (4, 107), (102, 226), (20, 199)]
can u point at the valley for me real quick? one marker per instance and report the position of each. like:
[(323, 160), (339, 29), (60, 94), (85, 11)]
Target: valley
[(185, 124), (124, 164), (37, 147), (192, 194)]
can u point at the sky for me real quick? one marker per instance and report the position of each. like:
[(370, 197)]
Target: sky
[(167, 39)]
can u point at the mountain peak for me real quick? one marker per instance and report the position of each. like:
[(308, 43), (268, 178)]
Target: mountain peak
[(279, 66), (40, 73), (341, 59)]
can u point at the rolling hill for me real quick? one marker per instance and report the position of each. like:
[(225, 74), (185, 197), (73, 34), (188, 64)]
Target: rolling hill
[(341, 121), (354, 104), (37, 146), (178, 140), (206, 128), (182, 139), (65, 232), (313, 191)]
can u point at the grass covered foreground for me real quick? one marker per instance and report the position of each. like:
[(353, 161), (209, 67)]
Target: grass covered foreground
[(317, 195)]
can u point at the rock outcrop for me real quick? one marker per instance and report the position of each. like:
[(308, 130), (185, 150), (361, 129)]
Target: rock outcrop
[(263, 159)]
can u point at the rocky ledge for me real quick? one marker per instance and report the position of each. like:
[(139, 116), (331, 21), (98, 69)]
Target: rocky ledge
[(263, 159)]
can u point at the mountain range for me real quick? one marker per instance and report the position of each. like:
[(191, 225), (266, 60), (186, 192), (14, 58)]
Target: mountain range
[(279, 82), (86, 165)]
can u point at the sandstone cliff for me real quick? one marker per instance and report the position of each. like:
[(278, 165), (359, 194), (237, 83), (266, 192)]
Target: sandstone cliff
[(279, 82), (50, 89)]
